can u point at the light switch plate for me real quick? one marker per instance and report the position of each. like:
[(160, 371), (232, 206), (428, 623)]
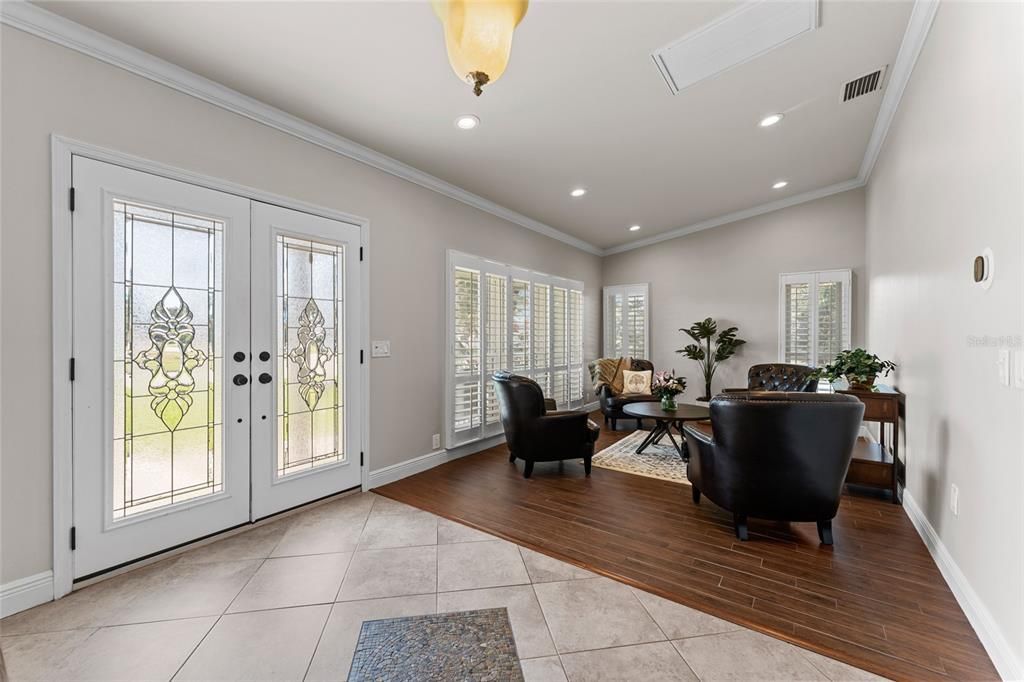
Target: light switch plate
[(1018, 369), (1003, 363), (381, 348)]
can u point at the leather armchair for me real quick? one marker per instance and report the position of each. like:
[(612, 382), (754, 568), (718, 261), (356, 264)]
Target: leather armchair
[(536, 435), (780, 456), (612, 402), (780, 376)]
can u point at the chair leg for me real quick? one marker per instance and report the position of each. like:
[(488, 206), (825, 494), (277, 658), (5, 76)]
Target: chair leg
[(825, 532), (740, 523), (527, 468), (696, 494), (586, 464), (511, 456), (614, 423), (639, 424)]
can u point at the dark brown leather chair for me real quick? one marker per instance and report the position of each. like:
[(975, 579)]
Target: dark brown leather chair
[(536, 435), (775, 455), (612, 402), (780, 376)]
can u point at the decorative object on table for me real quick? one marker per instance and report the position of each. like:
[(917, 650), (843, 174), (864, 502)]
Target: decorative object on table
[(464, 645), (637, 382), (859, 367), (609, 390), (478, 36), (775, 455), (660, 460), (533, 433), (725, 346), (666, 386)]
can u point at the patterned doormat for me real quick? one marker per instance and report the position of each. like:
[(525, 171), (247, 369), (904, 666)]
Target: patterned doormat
[(466, 645), (657, 460)]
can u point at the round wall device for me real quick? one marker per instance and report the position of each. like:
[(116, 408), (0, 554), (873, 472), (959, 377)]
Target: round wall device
[(983, 269)]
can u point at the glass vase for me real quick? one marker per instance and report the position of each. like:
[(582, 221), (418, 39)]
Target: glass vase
[(668, 402)]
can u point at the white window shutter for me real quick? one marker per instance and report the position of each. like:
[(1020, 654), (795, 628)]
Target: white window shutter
[(627, 321), (814, 316)]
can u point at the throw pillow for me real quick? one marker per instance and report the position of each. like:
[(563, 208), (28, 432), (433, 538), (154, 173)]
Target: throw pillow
[(603, 371), (618, 380), (637, 382)]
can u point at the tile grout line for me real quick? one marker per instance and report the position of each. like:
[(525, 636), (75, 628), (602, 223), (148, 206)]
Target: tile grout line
[(547, 626), (668, 639)]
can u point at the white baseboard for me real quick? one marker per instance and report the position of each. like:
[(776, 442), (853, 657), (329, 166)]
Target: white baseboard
[(410, 467), (999, 650), (25, 593)]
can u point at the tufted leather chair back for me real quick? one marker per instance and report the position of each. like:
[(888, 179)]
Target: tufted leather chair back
[(639, 365), (520, 400), (781, 377)]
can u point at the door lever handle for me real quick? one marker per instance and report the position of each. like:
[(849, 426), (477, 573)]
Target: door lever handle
[(265, 378)]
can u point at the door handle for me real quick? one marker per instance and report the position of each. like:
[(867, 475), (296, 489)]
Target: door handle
[(239, 356), (264, 355), (265, 378), (240, 380)]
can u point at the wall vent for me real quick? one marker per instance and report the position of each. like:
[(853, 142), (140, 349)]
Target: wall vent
[(865, 84)]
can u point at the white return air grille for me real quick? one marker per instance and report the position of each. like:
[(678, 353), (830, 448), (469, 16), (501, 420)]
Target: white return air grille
[(737, 37), (867, 83)]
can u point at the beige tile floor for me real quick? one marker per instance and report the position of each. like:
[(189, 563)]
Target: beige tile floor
[(285, 601)]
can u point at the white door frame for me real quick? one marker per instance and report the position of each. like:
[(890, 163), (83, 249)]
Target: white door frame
[(61, 151)]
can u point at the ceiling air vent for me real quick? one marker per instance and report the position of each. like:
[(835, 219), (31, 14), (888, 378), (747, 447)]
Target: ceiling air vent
[(864, 85)]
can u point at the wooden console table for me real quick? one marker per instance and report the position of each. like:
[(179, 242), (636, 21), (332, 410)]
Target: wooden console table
[(878, 465)]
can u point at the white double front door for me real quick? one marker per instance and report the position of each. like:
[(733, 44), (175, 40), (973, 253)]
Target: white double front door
[(216, 362)]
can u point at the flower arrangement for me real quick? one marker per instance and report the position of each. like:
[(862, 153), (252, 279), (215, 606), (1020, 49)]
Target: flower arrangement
[(666, 385)]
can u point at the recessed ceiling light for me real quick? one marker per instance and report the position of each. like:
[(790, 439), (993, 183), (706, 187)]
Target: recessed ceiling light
[(467, 122), (771, 120), (634, 228), (578, 192), (780, 184)]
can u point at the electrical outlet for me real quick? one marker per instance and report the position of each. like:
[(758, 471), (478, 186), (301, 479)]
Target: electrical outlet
[(954, 500), (435, 442), (380, 348)]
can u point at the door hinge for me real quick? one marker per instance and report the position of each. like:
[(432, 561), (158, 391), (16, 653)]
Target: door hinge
[(361, 459), (360, 356), (71, 199), (74, 539), (71, 369), (360, 253)]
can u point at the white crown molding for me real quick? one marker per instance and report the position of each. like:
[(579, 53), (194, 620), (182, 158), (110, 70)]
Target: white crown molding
[(57, 29), (738, 215), (998, 649), (920, 23)]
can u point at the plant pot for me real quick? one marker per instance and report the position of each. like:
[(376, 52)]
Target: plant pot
[(668, 403), (859, 385)]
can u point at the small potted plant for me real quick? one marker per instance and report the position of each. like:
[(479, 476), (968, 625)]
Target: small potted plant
[(859, 367), (725, 346), (666, 385)]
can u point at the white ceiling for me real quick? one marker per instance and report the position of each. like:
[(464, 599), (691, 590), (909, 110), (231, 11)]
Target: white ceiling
[(581, 104)]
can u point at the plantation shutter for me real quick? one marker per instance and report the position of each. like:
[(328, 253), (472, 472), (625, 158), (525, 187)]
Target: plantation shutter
[(626, 314), (506, 318), (814, 316)]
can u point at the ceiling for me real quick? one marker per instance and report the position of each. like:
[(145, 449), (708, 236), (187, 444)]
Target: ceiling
[(581, 104)]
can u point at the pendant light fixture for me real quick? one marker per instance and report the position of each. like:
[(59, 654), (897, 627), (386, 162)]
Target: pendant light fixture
[(478, 35)]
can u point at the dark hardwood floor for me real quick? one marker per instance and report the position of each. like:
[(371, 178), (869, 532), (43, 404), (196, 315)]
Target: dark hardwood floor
[(875, 599)]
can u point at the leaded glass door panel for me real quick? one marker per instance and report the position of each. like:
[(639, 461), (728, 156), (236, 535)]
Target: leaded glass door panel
[(305, 339), (161, 298)]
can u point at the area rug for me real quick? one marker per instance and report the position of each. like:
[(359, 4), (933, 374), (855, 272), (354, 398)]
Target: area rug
[(657, 461), (466, 645)]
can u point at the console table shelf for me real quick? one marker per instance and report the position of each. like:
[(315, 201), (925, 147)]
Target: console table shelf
[(878, 465)]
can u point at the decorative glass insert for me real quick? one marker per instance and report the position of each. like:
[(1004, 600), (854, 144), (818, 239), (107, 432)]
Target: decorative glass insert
[(310, 361), (168, 357)]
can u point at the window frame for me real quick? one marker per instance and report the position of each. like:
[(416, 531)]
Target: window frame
[(512, 274), (625, 290), (813, 278)]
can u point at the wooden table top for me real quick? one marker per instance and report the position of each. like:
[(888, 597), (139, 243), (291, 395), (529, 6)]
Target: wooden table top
[(654, 411)]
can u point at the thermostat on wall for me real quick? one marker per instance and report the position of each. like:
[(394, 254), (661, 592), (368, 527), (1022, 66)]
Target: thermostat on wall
[(983, 269)]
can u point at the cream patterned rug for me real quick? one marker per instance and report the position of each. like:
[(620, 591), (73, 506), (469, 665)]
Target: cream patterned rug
[(657, 461)]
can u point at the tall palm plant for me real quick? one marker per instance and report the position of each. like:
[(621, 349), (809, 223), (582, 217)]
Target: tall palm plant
[(725, 345)]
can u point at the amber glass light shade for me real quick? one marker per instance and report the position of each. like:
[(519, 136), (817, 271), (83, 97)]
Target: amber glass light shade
[(478, 36)]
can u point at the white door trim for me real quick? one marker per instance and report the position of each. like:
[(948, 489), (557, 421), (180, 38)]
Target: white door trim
[(61, 151)]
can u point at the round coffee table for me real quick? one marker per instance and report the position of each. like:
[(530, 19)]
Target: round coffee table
[(665, 420)]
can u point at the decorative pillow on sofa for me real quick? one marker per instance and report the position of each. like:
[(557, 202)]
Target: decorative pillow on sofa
[(637, 382), (604, 371)]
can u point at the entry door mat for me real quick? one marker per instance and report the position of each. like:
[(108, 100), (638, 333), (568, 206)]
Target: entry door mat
[(658, 460), (466, 645)]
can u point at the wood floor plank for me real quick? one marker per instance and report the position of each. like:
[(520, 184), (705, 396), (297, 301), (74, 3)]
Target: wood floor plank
[(875, 599)]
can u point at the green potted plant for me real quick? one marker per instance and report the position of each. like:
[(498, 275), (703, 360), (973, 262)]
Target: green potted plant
[(725, 346), (859, 367), (667, 386)]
